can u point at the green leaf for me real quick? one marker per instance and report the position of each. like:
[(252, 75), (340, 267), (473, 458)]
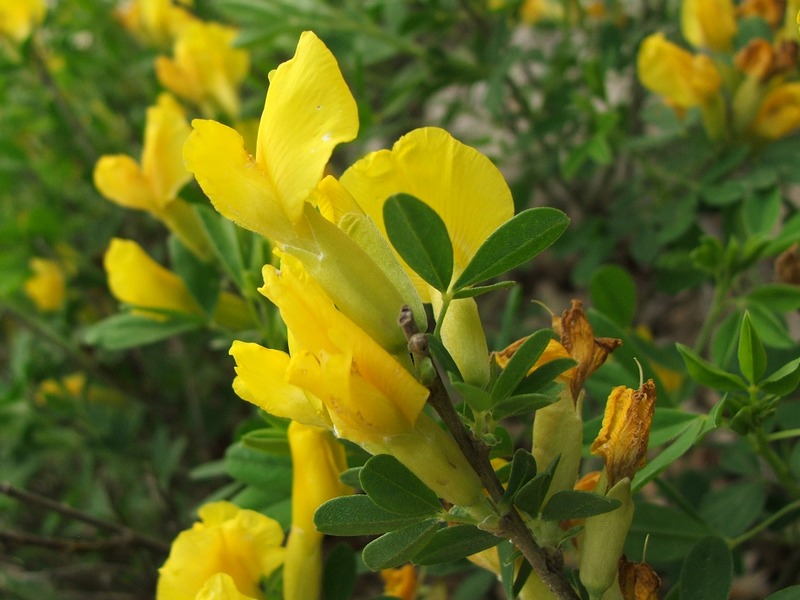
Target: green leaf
[(752, 356), (531, 495), (514, 243), (708, 374), (420, 237), (707, 572), (771, 327), (358, 515), (339, 575), (783, 381), (479, 290), (669, 455), (392, 486), (477, 398), (222, 234), (201, 279), (545, 374), (269, 440), (613, 293), (671, 532), (397, 547), (790, 593), (127, 330), (729, 511), (520, 404), (454, 543), (520, 363), (507, 555), (351, 477), (257, 468), (443, 358), (574, 504), (780, 297), (523, 469)]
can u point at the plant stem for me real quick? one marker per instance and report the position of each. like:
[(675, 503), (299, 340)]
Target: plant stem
[(760, 442), (717, 306), (73, 513), (782, 435), (546, 566), (765, 523)]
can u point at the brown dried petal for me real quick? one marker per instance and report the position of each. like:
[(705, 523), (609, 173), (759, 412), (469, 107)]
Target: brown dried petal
[(638, 581)]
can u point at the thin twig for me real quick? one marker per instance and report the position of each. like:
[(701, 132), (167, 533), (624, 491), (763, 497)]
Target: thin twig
[(73, 513), (16, 538)]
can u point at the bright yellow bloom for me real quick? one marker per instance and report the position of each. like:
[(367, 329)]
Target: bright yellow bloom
[(400, 582), (47, 286), (220, 587), (338, 377), (470, 195), (206, 69), (683, 78), (153, 184), (709, 24), (624, 435), (18, 18), (308, 111), (154, 21), (136, 279), (243, 544), (779, 114), (317, 461)]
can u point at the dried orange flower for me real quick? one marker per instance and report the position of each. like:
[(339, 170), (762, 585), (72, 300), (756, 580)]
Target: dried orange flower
[(400, 582), (637, 581)]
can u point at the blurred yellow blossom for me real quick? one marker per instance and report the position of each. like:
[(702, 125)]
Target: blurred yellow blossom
[(220, 587), (75, 386), (136, 279), (153, 184), (206, 68), (317, 461), (400, 582), (154, 21), (779, 114), (243, 544), (47, 286), (683, 78), (772, 11), (709, 24), (18, 18)]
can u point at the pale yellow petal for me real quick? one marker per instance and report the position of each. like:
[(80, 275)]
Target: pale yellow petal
[(236, 185), (221, 587), (261, 380), (308, 111), (120, 179)]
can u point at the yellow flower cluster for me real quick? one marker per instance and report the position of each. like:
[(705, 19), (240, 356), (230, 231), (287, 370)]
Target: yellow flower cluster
[(18, 18), (745, 89)]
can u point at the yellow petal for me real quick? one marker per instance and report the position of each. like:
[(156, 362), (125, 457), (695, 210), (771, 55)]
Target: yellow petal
[(779, 114), (317, 461), (708, 23), (138, 280), (220, 587), (261, 380), (162, 158), (19, 17), (120, 179), (243, 544), (47, 286), (685, 79), (308, 111), (236, 185), (458, 182)]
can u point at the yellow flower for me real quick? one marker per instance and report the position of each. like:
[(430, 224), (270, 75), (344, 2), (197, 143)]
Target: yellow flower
[(637, 581), (683, 78), (75, 387), (154, 21), (153, 184), (624, 435), (400, 582), (308, 111), (470, 195), (317, 461), (709, 24), (18, 18), (756, 59), (243, 544), (136, 279), (338, 377), (772, 11), (779, 114), (47, 286), (220, 587), (206, 69)]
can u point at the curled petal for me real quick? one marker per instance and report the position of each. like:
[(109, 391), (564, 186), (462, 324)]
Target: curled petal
[(120, 179)]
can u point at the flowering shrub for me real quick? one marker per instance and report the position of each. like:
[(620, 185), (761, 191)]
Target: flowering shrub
[(509, 290)]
